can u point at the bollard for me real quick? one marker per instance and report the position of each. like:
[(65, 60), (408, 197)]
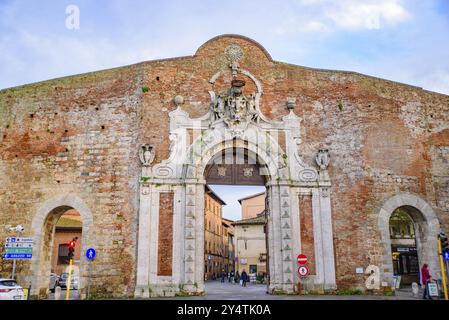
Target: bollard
[(415, 289), (58, 293)]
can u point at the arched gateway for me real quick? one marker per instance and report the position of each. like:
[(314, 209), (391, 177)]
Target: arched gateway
[(171, 216)]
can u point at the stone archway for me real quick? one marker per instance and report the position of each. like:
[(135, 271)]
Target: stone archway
[(43, 227), (194, 215), (427, 228), (171, 213)]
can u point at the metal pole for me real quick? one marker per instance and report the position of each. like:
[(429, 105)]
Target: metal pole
[(69, 280), (443, 271), (14, 261), (88, 283), (13, 269)]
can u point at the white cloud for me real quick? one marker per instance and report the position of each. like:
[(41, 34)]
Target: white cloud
[(367, 15), (356, 14), (59, 55)]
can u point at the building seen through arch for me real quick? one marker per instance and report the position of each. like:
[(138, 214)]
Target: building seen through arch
[(403, 247)]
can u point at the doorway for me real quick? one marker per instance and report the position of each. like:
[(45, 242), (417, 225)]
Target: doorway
[(403, 247), (235, 213)]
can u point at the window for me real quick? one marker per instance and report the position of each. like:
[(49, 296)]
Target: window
[(63, 254), (401, 225), (253, 268)]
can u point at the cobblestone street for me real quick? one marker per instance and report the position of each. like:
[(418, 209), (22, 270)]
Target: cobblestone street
[(215, 290)]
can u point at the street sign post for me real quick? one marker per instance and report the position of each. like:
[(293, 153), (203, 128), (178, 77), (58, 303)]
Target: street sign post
[(18, 248), (15, 256), (19, 240), (90, 255), (302, 259), (303, 271)]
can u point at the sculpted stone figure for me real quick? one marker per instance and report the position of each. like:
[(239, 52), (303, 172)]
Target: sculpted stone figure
[(323, 159), (147, 154)]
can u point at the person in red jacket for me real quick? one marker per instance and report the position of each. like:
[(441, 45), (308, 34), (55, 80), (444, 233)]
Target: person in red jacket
[(425, 278)]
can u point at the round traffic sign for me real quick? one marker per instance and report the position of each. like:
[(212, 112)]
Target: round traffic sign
[(90, 254), (303, 271), (302, 259)]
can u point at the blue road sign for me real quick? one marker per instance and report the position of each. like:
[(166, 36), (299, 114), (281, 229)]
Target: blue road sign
[(90, 254), (446, 256), (18, 256)]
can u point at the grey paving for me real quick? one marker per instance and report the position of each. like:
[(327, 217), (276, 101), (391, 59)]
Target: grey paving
[(215, 290)]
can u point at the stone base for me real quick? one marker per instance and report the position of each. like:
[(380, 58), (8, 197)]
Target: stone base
[(166, 290)]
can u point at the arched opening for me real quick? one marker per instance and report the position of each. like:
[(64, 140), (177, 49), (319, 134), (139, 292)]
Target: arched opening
[(57, 220), (403, 246), (408, 224), (235, 222), (68, 228), (62, 225)]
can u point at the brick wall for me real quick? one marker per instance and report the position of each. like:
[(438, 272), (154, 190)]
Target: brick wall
[(165, 239), (81, 135), (306, 225)]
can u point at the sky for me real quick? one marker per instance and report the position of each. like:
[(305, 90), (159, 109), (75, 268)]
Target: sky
[(400, 40), (230, 195)]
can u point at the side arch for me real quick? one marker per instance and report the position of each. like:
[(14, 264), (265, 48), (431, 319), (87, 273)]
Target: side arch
[(43, 226), (427, 227)]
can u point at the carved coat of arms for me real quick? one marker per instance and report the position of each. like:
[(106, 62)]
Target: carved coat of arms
[(234, 108)]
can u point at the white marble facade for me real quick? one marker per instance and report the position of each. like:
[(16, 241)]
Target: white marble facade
[(234, 121)]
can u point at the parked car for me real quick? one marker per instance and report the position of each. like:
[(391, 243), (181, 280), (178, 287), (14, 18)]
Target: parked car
[(10, 290), (54, 281), (73, 282)]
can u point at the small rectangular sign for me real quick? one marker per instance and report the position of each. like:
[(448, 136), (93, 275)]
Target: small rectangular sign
[(359, 270), (22, 240), (19, 250), (433, 289), (17, 256), (18, 245)]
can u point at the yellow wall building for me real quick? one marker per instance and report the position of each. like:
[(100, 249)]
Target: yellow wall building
[(213, 236), (250, 245), (252, 205), (250, 238), (228, 243)]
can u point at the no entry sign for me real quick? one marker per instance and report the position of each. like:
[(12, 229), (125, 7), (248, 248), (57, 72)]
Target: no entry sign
[(303, 271), (302, 259)]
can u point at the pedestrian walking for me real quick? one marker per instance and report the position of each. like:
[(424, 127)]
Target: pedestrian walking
[(244, 278), (223, 274), (231, 277), (425, 278)]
